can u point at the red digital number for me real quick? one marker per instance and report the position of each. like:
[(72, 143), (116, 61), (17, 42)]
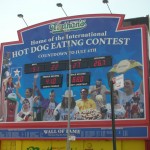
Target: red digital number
[(47, 81), (77, 79), (76, 64), (104, 62), (54, 66), (98, 63), (53, 81), (35, 68), (50, 81)]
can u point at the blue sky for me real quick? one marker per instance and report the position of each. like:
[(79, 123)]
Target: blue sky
[(36, 11)]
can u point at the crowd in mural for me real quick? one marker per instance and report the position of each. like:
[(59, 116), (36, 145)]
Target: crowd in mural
[(92, 105)]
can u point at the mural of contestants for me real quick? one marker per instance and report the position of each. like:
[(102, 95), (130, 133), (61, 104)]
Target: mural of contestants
[(119, 110), (87, 106), (43, 108), (26, 113), (61, 111), (10, 108), (98, 89), (130, 98)]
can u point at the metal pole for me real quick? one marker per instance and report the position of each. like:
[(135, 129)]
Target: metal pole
[(25, 22), (69, 101), (113, 116), (69, 88)]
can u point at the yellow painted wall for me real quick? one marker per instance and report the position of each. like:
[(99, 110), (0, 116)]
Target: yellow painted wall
[(75, 145), (135, 145)]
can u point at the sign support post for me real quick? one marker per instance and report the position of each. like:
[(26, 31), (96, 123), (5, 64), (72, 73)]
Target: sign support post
[(69, 88), (113, 116), (116, 83)]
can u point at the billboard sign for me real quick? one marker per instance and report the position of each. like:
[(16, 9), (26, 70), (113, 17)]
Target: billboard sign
[(75, 57)]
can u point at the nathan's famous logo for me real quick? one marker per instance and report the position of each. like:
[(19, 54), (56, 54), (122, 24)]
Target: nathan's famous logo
[(33, 148), (67, 26), (37, 148), (49, 148)]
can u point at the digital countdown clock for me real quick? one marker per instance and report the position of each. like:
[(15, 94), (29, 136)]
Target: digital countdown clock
[(79, 79), (53, 81), (64, 64)]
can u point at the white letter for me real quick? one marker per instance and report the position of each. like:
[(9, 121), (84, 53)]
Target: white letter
[(33, 49), (14, 54)]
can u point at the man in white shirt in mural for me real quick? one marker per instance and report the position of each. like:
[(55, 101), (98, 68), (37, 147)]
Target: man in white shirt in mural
[(98, 89), (48, 113), (128, 93)]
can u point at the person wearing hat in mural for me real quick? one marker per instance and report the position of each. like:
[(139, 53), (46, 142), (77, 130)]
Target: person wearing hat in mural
[(25, 114), (61, 111), (10, 108)]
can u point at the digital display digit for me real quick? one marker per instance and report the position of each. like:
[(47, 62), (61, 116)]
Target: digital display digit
[(79, 64), (56, 66), (51, 81), (100, 62), (79, 79), (34, 68)]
